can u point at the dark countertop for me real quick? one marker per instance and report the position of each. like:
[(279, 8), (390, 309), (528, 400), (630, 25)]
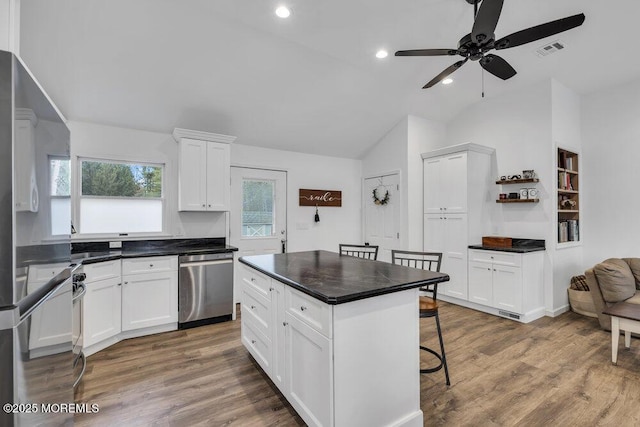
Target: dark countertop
[(335, 279), (519, 245), (516, 250), (93, 252)]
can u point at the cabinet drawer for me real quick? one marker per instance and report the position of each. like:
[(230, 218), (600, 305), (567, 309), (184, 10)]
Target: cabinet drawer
[(257, 281), (258, 345), (313, 312), (149, 264), (257, 309), (495, 257), (102, 270)]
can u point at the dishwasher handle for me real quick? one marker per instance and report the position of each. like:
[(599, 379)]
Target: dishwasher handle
[(199, 263)]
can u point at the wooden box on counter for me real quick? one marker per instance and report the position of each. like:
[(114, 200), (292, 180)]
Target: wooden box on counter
[(496, 241)]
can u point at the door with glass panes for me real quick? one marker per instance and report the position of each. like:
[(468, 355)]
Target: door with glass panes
[(258, 218)]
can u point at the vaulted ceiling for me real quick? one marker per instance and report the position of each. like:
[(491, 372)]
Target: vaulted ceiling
[(310, 83)]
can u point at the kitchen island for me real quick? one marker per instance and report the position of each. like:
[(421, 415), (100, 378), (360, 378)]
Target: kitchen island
[(338, 335)]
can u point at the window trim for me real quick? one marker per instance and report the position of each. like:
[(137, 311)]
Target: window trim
[(77, 195)]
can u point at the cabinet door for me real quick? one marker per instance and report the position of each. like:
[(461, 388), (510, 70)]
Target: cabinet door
[(51, 325), (434, 236), (218, 176), (192, 178), (454, 259), (433, 191), (101, 310), (309, 372), (278, 338), (454, 183), (149, 300), (507, 288), (481, 283)]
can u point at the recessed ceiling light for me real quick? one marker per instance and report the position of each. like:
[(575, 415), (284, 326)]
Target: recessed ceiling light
[(447, 81), (381, 54), (283, 12)]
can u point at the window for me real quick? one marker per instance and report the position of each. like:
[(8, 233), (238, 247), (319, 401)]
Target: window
[(257, 208), (60, 194), (120, 197)]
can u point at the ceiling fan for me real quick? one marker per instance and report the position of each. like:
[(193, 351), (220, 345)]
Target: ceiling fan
[(475, 45)]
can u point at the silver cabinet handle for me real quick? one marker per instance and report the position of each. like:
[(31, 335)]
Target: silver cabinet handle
[(150, 265), (270, 289), (119, 284), (303, 308), (84, 367), (253, 307), (284, 323), (126, 283), (209, 205), (203, 205), (253, 341), (253, 279)]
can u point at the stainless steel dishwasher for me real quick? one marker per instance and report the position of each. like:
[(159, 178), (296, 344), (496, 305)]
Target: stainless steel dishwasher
[(205, 289)]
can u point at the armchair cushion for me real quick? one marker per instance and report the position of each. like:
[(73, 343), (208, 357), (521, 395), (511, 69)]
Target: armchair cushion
[(617, 282), (634, 264)]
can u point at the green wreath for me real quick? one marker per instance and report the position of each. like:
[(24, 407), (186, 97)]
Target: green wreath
[(377, 198)]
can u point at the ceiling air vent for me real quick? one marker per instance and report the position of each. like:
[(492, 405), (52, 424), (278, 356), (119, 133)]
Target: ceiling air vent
[(550, 48)]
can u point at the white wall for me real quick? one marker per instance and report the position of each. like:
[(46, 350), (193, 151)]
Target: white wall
[(400, 150), (518, 125), (107, 142), (424, 135), (337, 224), (611, 150), (566, 133)]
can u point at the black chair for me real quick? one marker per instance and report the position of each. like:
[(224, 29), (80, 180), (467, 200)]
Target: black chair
[(360, 251), (428, 304)]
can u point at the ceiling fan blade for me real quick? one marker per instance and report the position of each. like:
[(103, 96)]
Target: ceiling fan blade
[(427, 52), (486, 21), (497, 66), (437, 79), (540, 31)]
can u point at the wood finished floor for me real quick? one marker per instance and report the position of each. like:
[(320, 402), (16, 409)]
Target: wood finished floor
[(554, 371)]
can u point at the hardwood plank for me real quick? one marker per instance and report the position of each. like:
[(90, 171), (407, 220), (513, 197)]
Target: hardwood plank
[(552, 371)]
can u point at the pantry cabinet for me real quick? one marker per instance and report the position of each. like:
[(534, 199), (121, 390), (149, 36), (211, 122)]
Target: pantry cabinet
[(204, 174), (456, 185)]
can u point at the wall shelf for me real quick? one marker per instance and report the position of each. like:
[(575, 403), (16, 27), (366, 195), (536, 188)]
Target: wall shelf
[(517, 200), (517, 181)]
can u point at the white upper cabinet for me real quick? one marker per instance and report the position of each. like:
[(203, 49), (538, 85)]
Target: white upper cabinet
[(204, 161), (26, 189), (445, 184)]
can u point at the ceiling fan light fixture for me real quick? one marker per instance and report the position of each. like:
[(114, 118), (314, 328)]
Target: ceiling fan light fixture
[(447, 81), (283, 12), (381, 54)]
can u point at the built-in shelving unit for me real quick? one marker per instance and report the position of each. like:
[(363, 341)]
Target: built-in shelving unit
[(568, 196), (517, 200)]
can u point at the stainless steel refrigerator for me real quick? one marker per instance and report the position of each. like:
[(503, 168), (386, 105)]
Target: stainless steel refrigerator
[(36, 338)]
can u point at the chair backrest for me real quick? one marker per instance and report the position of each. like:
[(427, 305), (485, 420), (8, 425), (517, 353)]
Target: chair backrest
[(423, 260), (360, 251)]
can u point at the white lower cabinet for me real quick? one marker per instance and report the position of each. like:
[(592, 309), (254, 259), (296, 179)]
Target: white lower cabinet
[(118, 306), (149, 299), (308, 370), (101, 305), (512, 283), (329, 360)]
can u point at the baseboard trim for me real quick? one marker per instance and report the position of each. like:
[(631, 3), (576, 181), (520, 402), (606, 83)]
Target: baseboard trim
[(557, 311), (523, 318), (125, 335)]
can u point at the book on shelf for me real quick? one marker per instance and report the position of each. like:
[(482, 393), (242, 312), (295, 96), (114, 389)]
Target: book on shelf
[(568, 231), (562, 160), (569, 163)]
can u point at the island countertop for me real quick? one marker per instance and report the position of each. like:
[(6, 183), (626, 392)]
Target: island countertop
[(336, 279)]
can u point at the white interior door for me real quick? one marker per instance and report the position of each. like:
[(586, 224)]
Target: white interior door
[(258, 216), (382, 222)]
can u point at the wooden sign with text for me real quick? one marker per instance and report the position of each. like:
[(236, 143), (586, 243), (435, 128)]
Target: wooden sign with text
[(320, 197)]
